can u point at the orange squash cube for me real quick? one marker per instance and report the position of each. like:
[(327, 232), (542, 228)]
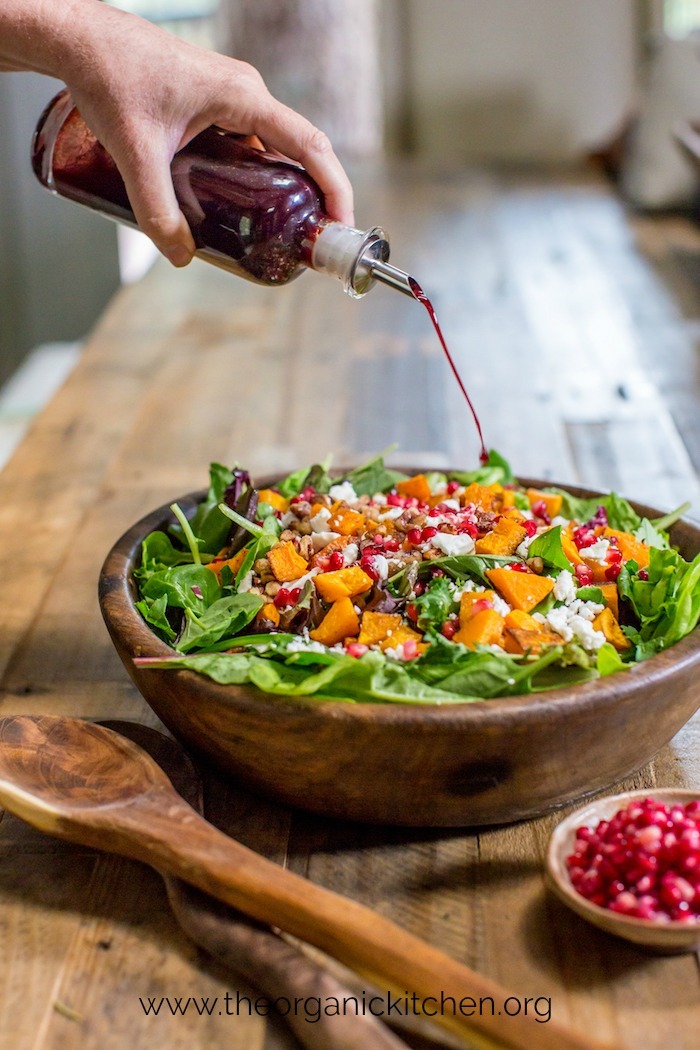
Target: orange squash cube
[(275, 499), (342, 583), (340, 622), (607, 623), (483, 628), (233, 563), (551, 500), (286, 563), (522, 590), (346, 521), (631, 547), (504, 538), (416, 487), (376, 626)]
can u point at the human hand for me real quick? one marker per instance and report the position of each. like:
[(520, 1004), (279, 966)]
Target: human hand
[(145, 94)]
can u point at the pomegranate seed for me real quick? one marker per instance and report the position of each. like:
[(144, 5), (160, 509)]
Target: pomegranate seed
[(584, 537), (614, 556), (356, 649), (413, 536), (394, 500), (643, 574), (613, 571), (336, 560), (519, 566), (470, 528), (584, 575), (282, 598), (418, 588), (452, 487), (391, 544), (530, 526), (410, 649), (643, 862), (412, 612), (449, 629), (539, 509), (367, 566), (308, 494), (480, 605), (427, 533)]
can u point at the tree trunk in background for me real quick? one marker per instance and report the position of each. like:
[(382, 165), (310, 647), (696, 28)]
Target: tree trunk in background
[(321, 57)]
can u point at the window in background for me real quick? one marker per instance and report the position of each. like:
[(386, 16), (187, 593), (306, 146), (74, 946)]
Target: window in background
[(194, 20), (681, 17)]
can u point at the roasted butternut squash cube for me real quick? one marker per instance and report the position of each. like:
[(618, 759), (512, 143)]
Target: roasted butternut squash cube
[(416, 487), (376, 626), (570, 549), (286, 562), (612, 598), (470, 599), (275, 499), (400, 636), (522, 590), (607, 623), (552, 500), (631, 547), (269, 612), (346, 521), (342, 583), (520, 640), (233, 563), (482, 496), (341, 621), (504, 538), (483, 628)]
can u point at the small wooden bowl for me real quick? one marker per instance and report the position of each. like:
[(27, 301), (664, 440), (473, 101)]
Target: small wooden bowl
[(466, 764), (667, 938)]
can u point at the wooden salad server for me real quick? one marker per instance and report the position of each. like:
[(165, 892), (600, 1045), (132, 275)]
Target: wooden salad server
[(85, 783)]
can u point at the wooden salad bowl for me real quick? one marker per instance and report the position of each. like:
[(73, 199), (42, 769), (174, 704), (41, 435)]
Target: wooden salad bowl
[(485, 762)]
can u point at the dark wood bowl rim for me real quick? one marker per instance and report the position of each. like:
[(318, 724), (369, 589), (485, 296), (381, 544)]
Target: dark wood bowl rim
[(117, 591)]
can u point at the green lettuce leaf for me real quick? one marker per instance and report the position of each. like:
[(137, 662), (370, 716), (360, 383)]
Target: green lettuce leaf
[(547, 546)]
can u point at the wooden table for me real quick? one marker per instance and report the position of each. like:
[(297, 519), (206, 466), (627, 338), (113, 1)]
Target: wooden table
[(575, 329)]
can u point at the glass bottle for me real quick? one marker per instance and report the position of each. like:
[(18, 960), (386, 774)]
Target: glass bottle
[(250, 213)]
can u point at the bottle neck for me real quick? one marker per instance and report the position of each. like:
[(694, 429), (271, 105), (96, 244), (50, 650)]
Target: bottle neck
[(358, 258)]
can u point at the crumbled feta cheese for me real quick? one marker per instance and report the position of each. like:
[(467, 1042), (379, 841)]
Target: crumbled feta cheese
[(467, 587), (502, 607), (558, 520), (451, 504), (570, 624), (522, 549), (597, 551), (451, 545), (564, 587), (303, 644), (589, 610), (351, 552), (344, 491), (319, 540), (319, 522), (287, 518), (391, 514), (291, 584), (395, 654), (380, 499), (246, 583)]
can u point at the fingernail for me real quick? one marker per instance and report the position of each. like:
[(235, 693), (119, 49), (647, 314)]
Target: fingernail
[(177, 254)]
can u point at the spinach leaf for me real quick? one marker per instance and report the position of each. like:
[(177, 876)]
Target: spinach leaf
[(495, 471), (547, 546), (317, 475), (158, 552), (154, 612), (183, 586), (373, 476), (226, 616), (207, 523)]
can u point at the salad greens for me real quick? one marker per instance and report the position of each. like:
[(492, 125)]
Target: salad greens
[(439, 588)]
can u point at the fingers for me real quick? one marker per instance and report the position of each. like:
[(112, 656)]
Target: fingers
[(295, 137), (149, 185)]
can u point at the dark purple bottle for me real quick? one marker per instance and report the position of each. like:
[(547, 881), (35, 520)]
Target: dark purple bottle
[(250, 213)]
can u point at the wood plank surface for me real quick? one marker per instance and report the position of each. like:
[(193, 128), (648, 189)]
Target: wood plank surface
[(576, 329)]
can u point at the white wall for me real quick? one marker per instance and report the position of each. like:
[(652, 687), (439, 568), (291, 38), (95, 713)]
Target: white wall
[(515, 80)]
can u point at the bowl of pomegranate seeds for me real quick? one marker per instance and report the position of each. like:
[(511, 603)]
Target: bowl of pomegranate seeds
[(630, 864)]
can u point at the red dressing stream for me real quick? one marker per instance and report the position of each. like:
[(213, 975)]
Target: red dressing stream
[(421, 297)]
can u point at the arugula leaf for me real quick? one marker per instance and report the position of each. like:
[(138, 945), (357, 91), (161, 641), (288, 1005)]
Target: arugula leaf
[(547, 546), (651, 534)]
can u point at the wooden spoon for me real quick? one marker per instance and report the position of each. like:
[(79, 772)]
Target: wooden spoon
[(82, 782)]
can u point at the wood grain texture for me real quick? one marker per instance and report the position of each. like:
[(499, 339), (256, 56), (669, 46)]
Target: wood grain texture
[(576, 328)]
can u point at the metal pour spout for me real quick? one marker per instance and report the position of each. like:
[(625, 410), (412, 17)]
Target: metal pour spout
[(388, 274)]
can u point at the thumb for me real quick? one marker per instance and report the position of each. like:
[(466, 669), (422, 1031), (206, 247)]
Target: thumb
[(149, 186)]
